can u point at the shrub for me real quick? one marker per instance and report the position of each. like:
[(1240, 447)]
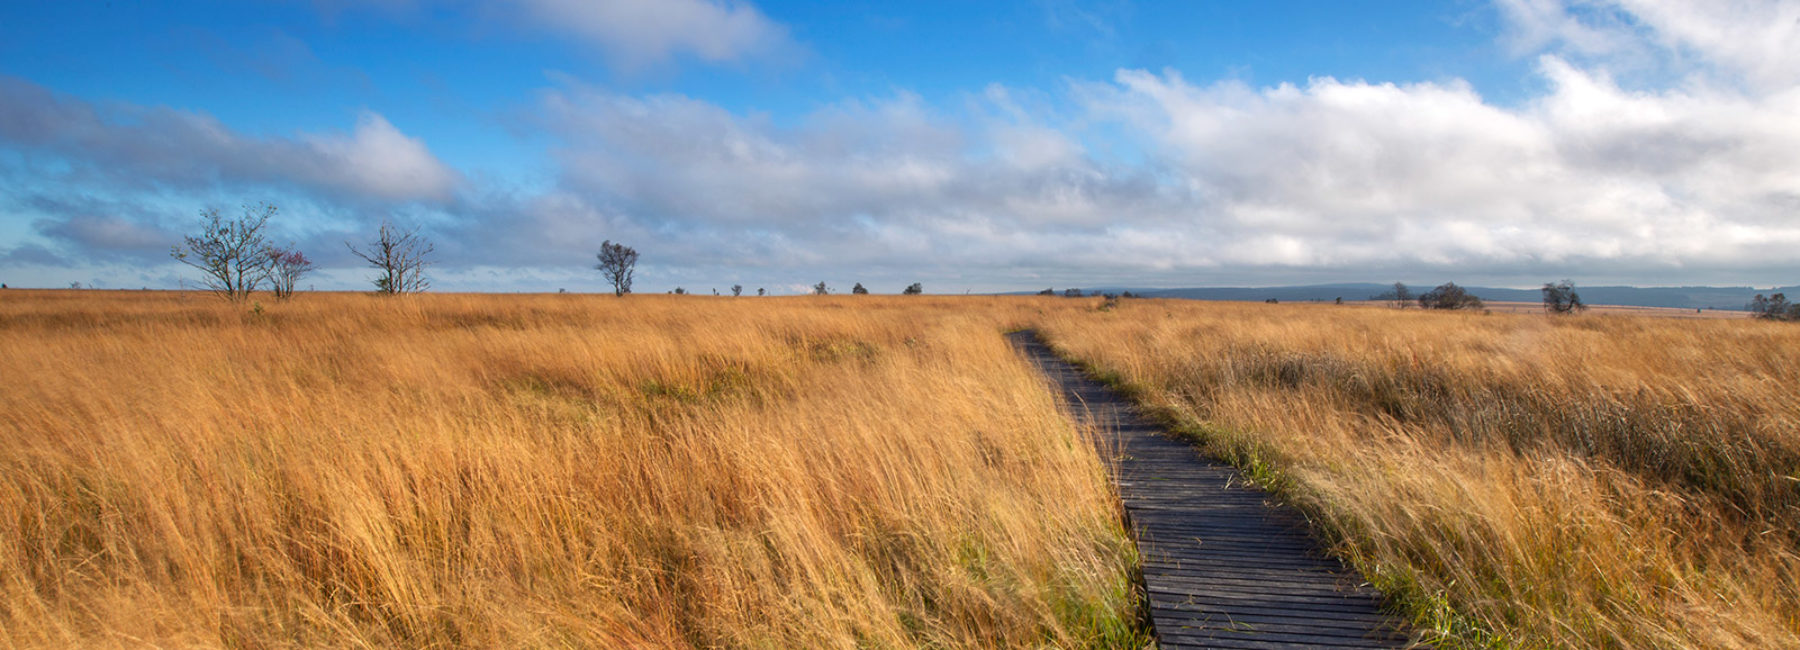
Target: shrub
[(1449, 296), (1775, 307), (1560, 298)]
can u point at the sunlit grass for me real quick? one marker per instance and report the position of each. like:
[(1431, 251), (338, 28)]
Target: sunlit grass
[(452, 470), (1518, 481)]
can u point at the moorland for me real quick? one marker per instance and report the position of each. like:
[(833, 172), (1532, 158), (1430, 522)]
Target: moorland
[(845, 471)]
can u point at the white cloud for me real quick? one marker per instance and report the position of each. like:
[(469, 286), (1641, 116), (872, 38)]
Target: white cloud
[(1234, 181), (1748, 41), (378, 160), (160, 146), (637, 33)]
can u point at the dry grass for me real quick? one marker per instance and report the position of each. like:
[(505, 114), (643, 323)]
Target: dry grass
[(1527, 481), (544, 471)]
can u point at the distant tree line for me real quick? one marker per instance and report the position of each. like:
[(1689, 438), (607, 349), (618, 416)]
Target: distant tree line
[(1446, 296), (1775, 307)]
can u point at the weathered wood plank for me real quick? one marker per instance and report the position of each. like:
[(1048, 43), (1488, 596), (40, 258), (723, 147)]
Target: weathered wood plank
[(1225, 565)]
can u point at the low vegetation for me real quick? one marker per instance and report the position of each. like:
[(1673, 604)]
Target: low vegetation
[(847, 471), (555, 470), (1517, 481)]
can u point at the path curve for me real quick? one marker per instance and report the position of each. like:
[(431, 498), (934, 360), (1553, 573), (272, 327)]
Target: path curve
[(1223, 568)]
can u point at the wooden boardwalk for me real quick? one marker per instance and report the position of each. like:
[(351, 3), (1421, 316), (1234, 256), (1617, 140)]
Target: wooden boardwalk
[(1222, 567)]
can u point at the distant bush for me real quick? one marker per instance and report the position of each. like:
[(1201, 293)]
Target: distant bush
[(1072, 293), (1047, 292), (1449, 296), (1775, 307), (913, 289), (1560, 298), (859, 290)]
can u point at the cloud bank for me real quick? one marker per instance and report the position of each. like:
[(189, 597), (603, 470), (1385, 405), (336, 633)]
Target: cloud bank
[(1661, 148)]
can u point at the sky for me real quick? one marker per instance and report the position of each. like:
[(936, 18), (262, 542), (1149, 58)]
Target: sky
[(968, 146)]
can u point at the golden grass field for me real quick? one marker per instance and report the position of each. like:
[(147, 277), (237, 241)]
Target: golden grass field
[(662, 471), (517, 471), (1586, 481)]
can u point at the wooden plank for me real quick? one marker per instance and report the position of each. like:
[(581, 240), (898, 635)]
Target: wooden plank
[(1225, 565)]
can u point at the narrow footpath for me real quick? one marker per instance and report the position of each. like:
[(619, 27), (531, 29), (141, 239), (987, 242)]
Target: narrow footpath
[(1222, 566)]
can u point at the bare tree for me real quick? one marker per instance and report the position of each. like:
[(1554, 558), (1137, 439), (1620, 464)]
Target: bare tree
[(286, 266), (1400, 296), (400, 256), (913, 289), (1560, 298), (859, 290), (1449, 296), (737, 290), (617, 261), (232, 252)]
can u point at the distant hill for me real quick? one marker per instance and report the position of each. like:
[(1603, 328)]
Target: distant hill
[(1734, 298)]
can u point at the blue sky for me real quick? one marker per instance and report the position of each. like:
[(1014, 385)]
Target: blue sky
[(969, 146)]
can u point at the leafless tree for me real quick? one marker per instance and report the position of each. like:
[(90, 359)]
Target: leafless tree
[(1560, 298), (231, 252), (617, 261), (400, 257), (286, 266), (1400, 296)]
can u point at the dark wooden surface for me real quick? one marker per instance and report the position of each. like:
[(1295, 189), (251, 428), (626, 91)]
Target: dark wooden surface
[(1223, 566)]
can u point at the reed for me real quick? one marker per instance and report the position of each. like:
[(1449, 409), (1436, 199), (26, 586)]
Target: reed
[(1516, 480), (465, 470)]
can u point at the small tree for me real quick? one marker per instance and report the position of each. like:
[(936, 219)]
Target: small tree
[(820, 289), (1047, 292), (737, 290), (617, 261), (400, 257), (913, 289), (1449, 296), (680, 291), (287, 266), (1072, 293), (761, 291), (1775, 307), (1560, 298), (1400, 296), (859, 290), (231, 252)]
